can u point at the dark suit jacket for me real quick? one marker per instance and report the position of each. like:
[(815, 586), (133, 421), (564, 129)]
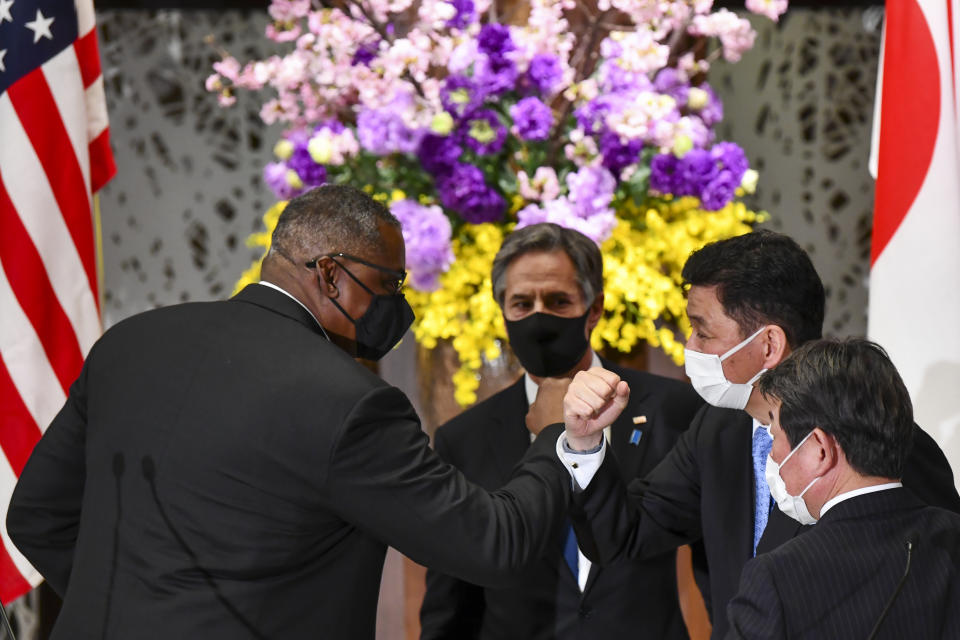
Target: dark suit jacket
[(630, 599), (221, 471), (835, 581), (704, 488)]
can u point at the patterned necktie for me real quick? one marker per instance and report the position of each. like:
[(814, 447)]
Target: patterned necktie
[(762, 442), (570, 553)]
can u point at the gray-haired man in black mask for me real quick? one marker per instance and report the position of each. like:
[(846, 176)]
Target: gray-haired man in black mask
[(548, 281)]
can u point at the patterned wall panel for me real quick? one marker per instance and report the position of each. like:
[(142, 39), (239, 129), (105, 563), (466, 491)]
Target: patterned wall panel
[(801, 104), (189, 188)]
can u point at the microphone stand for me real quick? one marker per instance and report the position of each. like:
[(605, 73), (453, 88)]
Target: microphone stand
[(6, 622)]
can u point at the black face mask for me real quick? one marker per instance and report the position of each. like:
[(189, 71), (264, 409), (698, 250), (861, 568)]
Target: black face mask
[(548, 345), (382, 325)]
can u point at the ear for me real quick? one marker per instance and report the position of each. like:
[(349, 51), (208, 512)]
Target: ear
[(596, 310), (775, 346), (328, 272), (828, 451)]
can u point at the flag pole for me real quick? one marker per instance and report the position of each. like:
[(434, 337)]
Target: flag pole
[(98, 246)]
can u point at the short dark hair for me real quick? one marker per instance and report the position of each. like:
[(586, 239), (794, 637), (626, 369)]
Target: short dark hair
[(851, 390), (546, 237), (327, 219), (762, 278)]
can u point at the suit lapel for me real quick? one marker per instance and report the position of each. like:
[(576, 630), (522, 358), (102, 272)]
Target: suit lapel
[(737, 462), (507, 435)]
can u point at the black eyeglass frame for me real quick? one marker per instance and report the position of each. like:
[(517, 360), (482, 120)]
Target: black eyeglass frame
[(399, 276)]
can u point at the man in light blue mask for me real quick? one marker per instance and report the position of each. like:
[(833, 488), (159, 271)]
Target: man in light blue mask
[(879, 563), (751, 300)]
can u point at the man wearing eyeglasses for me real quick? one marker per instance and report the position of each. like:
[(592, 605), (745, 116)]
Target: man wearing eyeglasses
[(227, 470)]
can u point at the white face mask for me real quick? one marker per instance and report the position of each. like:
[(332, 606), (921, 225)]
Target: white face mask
[(706, 374), (793, 506)]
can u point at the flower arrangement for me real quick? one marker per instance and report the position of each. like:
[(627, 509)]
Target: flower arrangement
[(469, 119)]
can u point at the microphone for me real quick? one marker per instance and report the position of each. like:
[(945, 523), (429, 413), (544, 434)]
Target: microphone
[(910, 543), (149, 469), (119, 466)]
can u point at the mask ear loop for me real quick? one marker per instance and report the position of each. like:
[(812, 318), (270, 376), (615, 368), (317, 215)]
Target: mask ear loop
[(742, 344), (789, 455)]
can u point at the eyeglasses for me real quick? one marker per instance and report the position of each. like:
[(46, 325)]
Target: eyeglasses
[(397, 278)]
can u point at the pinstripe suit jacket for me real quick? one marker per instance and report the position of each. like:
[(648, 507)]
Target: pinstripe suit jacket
[(704, 489), (834, 581)]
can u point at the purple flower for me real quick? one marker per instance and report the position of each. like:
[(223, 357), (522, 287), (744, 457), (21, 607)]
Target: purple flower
[(275, 175), (483, 132), (590, 190), (382, 131), (494, 39), (544, 72), (561, 211), (617, 155), (334, 125), (426, 234), (465, 192), (669, 81), (713, 112), (364, 54), (695, 169), (466, 14), (731, 157), (592, 115), (459, 95), (663, 168), (719, 191), (495, 74), (532, 119), (311, 173), (438, 154), (616, 79)]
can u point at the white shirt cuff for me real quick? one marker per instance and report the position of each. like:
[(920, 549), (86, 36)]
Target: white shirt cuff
[(582, 466)]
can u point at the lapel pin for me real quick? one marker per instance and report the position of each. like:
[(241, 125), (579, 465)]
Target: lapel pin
[(639, 419), (635, 436)]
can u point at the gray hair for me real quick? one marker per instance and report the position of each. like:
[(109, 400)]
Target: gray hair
[(546, 237), (328, 219)]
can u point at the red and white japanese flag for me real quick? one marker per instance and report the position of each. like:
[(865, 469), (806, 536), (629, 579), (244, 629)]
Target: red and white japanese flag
[(54, 154), (915, 258)]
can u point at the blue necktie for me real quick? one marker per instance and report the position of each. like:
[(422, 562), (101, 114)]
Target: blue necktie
[(762, 442), (570, 553)]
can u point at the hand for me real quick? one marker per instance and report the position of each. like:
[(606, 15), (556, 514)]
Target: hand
[(594, 400), (547, 409)]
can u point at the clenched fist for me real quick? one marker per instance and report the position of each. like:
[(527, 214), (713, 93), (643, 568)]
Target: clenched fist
[(595, 399)]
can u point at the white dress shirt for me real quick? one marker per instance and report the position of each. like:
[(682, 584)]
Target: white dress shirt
[(531, 387)]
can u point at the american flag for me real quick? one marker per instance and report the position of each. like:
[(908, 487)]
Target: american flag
[(54, 154)]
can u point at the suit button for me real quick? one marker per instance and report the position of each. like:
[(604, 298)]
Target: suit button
[(585, 612)]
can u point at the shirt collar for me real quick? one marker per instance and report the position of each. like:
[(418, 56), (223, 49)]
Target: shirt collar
[(289, 295), (837, 499), (759, 425)]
